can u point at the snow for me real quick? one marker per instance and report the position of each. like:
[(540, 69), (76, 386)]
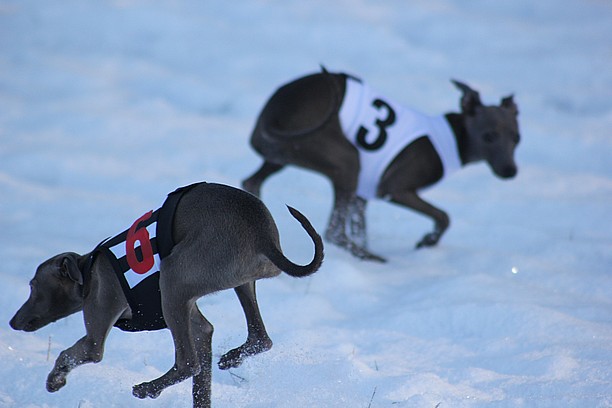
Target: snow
[(106, 106)]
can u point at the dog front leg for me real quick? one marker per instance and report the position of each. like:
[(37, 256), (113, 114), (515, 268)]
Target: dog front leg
[(99, 315), (441, 221), (86, 350)]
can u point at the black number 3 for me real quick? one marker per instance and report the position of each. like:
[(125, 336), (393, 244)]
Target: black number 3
[(382, 125)]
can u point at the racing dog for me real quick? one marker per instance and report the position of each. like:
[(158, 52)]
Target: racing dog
[(205, 238), (371, 147)]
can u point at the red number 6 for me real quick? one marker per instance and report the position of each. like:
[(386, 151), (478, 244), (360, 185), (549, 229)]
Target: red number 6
[(141, 235)]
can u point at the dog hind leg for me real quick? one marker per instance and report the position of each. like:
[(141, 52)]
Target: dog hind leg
[(345, 207), (336, 226), (203, 331), (254, 182), (258, 340), (357, 221)]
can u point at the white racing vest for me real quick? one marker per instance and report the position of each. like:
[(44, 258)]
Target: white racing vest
[(380, 129)]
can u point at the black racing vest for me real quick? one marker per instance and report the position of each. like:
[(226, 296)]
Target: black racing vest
[(135, 255)]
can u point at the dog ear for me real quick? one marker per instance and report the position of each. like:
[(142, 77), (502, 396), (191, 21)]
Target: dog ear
[(70, 269), (508, 103), (470, 99)]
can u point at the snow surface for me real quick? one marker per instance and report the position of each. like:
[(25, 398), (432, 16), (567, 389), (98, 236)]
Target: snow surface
[(106, 106)]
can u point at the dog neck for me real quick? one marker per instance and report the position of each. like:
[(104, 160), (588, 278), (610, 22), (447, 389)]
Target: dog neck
[(457, 124), (85, 263)]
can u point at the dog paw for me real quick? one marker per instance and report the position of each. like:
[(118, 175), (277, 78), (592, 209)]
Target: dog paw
[(55, 381), (145, 390), (366, 255), (429, 240), (235, 357), (231, 359), (372, 257), (354, 248)]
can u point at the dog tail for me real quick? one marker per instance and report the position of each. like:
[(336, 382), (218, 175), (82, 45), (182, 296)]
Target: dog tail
[(290, 268)]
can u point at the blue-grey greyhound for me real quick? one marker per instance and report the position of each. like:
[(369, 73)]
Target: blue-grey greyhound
[(208, 237), (371, 147)]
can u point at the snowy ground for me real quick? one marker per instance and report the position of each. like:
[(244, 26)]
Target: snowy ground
[(105, 106)]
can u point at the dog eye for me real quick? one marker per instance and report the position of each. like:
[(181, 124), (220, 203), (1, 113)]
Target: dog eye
[(490, 137)]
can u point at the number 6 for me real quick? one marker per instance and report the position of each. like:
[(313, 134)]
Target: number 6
[(141, 235)]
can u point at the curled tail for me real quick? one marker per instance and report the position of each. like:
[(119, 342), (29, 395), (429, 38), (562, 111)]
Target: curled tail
[(290, 268)]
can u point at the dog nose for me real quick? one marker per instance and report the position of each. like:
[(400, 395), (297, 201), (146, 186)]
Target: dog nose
[(508, 172), (13, 323)]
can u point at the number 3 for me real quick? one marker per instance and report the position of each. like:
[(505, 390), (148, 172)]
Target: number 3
[(141, 235), (382, 125)]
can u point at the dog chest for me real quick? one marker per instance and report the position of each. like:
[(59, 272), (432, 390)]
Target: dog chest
[(380, 129), (136, 255), (135, 258)]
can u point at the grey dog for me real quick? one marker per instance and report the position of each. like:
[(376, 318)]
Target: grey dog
[(309, 123), (222, 238)]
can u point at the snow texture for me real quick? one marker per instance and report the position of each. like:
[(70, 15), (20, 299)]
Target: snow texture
[(106, 106)]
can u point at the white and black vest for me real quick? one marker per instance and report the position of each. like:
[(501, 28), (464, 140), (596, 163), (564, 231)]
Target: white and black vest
[(380, 129)]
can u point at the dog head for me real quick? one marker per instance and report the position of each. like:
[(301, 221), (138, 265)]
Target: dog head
[(493, 132), (55, 292)]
